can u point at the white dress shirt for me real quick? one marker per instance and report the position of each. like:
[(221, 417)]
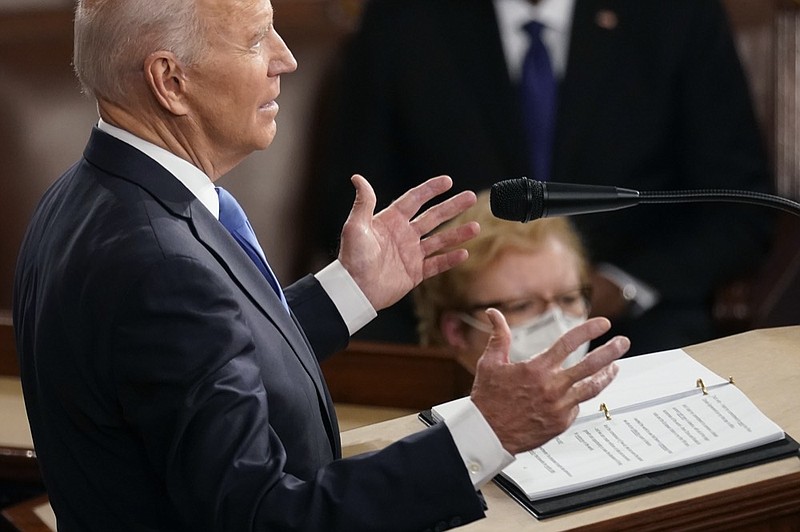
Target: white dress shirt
[(481, 451), (554, 15)]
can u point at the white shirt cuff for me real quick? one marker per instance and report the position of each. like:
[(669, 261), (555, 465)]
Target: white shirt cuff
[(353, 305), (480, 449)]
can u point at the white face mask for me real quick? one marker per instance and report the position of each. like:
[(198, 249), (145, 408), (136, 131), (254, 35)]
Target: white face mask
[(530, 339)]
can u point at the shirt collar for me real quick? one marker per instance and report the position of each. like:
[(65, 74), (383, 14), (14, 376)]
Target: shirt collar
[(198, 183), (554, 14)]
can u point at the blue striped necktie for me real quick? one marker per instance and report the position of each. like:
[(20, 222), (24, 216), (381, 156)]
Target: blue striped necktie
[(539, 92), (233, 218)]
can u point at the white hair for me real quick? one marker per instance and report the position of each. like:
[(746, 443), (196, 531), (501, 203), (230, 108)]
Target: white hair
[(114, 37)]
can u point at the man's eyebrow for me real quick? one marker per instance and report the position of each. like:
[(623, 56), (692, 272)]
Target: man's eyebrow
[(261, 32)]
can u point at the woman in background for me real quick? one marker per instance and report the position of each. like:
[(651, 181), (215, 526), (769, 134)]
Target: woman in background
[(536, 274)]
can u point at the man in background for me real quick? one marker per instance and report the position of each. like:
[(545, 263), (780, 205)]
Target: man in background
[(642, 94)]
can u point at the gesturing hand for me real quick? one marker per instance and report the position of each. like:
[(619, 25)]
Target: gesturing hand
[(528, 403), (389, 253)]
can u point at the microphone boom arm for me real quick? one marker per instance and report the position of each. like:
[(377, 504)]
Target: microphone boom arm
[(728, 196)]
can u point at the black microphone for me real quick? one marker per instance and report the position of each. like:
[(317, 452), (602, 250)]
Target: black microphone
[(523, 199)]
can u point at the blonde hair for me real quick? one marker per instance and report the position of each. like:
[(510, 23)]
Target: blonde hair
[(447, 291), (113, 38)]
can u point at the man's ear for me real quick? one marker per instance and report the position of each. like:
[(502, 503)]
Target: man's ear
[(167, 81), (452, 329)]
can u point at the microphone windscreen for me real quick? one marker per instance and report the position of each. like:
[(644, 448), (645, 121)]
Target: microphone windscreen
[(519, 200)]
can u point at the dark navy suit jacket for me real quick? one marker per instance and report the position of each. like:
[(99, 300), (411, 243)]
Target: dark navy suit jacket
[(168, 389)]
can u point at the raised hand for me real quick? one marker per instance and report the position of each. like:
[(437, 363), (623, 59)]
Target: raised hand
[(528, 403), (389, 253)]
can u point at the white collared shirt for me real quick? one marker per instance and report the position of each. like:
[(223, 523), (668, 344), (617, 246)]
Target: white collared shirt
[(192, 177), (555, 15)]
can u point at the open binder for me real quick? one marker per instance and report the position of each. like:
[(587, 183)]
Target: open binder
[(651, 385)]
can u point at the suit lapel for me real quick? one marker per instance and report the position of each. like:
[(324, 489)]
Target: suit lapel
[(126, 162), (216, 238)]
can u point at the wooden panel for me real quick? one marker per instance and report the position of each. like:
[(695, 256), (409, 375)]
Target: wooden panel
[(315, 18), (753, 26), (9, 365), (402, 376), (34, 25), (767, 37), (787, 105), (776, 289), (769, 505), (23, 517), (19, 466)]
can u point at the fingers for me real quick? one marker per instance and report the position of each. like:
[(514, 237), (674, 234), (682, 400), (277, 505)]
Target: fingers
[(599, 368), (499, 344), (575, 337), (591, 386), (489, 386), (436, 263), (409, 203), (598, 358), (364, 204), (449, 238), (528, 403), (441, 212)]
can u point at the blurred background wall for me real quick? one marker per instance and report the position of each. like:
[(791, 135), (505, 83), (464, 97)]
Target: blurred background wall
[(45, 121)]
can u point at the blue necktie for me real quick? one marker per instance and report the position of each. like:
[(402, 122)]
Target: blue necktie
[(233, 218), (539, 94)]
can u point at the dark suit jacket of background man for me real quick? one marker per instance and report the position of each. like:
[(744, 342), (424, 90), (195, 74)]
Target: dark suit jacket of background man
[(659, 102), (168, 388)]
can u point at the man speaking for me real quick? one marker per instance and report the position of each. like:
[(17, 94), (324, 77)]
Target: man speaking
[(170, 382)]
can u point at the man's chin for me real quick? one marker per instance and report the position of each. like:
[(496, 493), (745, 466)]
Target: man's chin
[(265, 138)]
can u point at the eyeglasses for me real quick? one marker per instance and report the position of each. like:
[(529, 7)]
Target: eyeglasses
[(573, 302)]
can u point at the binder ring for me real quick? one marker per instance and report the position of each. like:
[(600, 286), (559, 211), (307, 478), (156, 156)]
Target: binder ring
[(702, 386)]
